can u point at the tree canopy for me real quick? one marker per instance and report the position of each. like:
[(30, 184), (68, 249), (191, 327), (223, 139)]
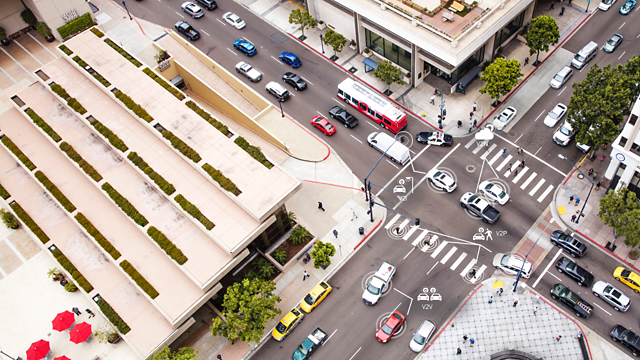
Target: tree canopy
[(388, 73), (543, 32), (322, 253), (620, 210), (336, 40), (302, 18), (500, 77), (184, 353)]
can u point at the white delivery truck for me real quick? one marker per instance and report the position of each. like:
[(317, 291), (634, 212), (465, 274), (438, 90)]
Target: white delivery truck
[(378, 284)]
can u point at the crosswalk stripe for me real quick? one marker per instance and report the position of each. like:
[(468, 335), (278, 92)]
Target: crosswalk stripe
[(477, 150), (467, 268), (533, 191), (420, 237), (392, 221), (439, 249), (425, 248), (520, 175), (410, 232), (468, 145), (529, 180), (403, 224), (455, 264), (486, 153), (513, 167), (504, 163), (480, 271), (495, 158), (449, 255), (545, 193)]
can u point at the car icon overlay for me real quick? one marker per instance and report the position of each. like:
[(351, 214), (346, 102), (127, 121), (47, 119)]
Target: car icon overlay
[(424, 296)]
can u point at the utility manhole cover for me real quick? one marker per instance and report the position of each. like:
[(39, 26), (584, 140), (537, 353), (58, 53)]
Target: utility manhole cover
[(471, 168), (512, 133), (279, 37)]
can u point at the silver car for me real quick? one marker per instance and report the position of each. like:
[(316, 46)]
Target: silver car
[(555, 115), (504, 118), (421, 337), (193, 10), (234, 20), (611, 295)]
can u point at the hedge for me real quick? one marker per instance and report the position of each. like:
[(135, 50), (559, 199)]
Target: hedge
[(107, 133), (85, 166), (205, 115), (97, 32), (139, 279), (194, 211), (18, 153), (138, 161), (53, 189), (166, 245), (97, 76), (76, 26), (185, 149), (72, 102), (71, 269), (43, 125), (125, 205), (133, 106), (224, 181), (97, 235), (113, 317), (123, 53), (27, 220), (175, 92), (65, 50), (254, 151), (4, 193)]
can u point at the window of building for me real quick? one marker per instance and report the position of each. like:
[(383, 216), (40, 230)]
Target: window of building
[(388, 49), (617, 176), (632, 119), (507, 31), (633, 184), (623, 141), (635, 148)]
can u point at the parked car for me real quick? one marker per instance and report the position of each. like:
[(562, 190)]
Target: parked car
[(555, 115), (479, 207), (289, 322), (494, 192), (290, 59), (323, 125), (245, 46), (567, 242), (512, 265), (606, 4), (435, 138), (563, 135), (234, 20), (575, 271), (208, 4), (390, 327), (504, 118), (627, 277), (441, 180), (611, 295), (277, 90), (571, 300), (613, 43), (294, 80), (315, 296), (192, 10), (627, 7), (188, 30), (422, 336), (343, 116), (627, 338), (247, 70)]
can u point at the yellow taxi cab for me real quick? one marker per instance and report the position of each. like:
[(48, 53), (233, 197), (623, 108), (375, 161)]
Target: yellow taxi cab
[(315, 297), (287, 324), (628, 278)]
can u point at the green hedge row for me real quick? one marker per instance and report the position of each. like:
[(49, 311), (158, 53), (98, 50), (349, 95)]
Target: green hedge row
[(43, 125), (125, 205), (185, 149), (123, 53), (18, 153), (224, 181), (175, 92), (97, 31), (71, 269), (97, 76), (107, 133), (65, 50), (166, 245), (53, 189), (254, 151), (72, 102), (133, 106), (139, 279), (97, 235), (113, 317), (194, 211), (205, 115), (138, 161), (76, 26), (60, 91), (4, 193), (85, 166), (27, 220)]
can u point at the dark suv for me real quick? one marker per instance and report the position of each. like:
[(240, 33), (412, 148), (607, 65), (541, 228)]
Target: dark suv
[(582, 276), (628, 338), (568, 243), (343, 116), (188, 30), (571, 300), (207, 4)]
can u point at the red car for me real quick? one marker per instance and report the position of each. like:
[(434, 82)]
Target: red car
[(390, 327), (324, 126)]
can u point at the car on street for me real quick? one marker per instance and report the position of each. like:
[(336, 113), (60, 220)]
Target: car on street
[(234, 20), (343, 116), (315, 297), (192, 10), (441, 180), (571, 300), (512, 265), (379, 283), (188, 30), (628, 278), (323, 125), (277, 90), (494, 192), (249, 71), (294, 80), (627, 338), (555, 115), (563, 135), (287, 324), (422, 336), (627, 7), (613, 43), (574, 271), (391, 326), (568, 243), (504, 118), (309, 345), (611, 295), (479, 207), (435, 138), (606, 4), (208, 4), (290, 59), (245, 46)]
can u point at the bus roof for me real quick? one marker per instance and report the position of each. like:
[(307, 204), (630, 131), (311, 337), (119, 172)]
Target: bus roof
[(373, 100)]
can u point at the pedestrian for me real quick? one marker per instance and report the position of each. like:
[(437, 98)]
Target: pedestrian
[(595, 176), (577, 201), (320, 206), (526, 61), (76, 311), (522, 163), (579, 332), (570, 5), (433, 99), (471, 116), (355, 216), (499, 292), (562, 11), (91, 314), (397, 230), (552, 5), (573, 218), (558, 338), (473, 273), (470, 128), (305, 275), (515, 173), (475, 123), (509, 168), (515, 303), (459, 124), (602, 158), (598, 185), (464, 338), (335, 233), (535, 310), (519, 150), (471, 342), (459, 351), (570, 199), (590, 171), (504, 152), (490, 299), (219, 357), (475, 106)]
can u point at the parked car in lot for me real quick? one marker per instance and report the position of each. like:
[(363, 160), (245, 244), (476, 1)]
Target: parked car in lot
[(294, 80), (422, 336), (208, 4), (249, 71), (613, 43), (494, 192), (188, 30), (567, 242), (288, 323), (512, 265), (628, 278), (390, 327), (192, 10), (323, 125), (627, 7), (627, 338), (563, 135), (571, 300), (234, 20), (606, 4), (479, 207), (611, 295), (575, 271), (315, 297), (504, 118), (343, 116), (245, 46), (290, 59), (435, 138), (277, 90), (555, 115), (441, 180)]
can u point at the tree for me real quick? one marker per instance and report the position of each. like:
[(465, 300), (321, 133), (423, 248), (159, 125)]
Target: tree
[(184, 353), (335, 40), (247, 307), (388, 73), (302, 18), (632, 70), (620, 210), (264, 268), (500, 77), (322, 253), (543, 31)]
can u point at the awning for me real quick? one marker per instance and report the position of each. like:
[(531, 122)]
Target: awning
[(369, 65), (466, 79)]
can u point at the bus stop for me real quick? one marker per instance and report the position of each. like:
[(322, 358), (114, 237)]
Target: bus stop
[(369, 65), (461, 86)]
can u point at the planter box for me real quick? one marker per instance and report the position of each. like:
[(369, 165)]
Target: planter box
[(367, 55), (322, 26)]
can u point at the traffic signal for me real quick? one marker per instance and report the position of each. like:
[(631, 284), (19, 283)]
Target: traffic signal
[(417, 221), (444, 112)]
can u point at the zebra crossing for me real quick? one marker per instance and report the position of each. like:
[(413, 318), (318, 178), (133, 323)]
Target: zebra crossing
[(515, 173)]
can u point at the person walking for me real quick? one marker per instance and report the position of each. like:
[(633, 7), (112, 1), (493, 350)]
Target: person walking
[(590, 172), (433, 99), (562, 11), (499, 292), (471, 342), (464, 339), (515, 303), (473, 273), (519, 150), (335, 233), (595, 176), (91, 314), (471, 116), (475, 107), (509, 168), (602, 158), (535, 310), (219, 357), (490, 299), (355, 216), (459, 351), (470, 128), (577, 201), (320, 206), (570, 1), (522, 163), (552, 5), (573, 218), (570, 199), (459, 124), (76, 311), (504, 152), (558, 338), (305, 275), (526, 61), (515, 173)]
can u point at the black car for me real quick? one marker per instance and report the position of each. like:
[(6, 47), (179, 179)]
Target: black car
[(294, 80), (582, 276), (343, 116), (435, 138), (207, 4), (187, 30), (571, 300), (568, 243), (628, 338)]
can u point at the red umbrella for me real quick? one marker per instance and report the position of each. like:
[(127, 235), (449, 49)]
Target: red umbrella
[(63, 321), (80, 333), (61, 358), (38, 350)]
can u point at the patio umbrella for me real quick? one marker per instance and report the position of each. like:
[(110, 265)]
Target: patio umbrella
[(38, 350), (80, 333), (61, 358), (63, 321)]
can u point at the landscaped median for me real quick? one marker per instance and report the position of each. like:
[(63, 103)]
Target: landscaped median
[(113, 317), (181, 146), (123, 53), (91, 71), (224, 181), (4, 193), (109, 135), (133, 106), (71, 269)]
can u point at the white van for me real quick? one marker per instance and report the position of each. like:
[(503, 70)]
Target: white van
[(378, 284), (585, 55), (383, 142)]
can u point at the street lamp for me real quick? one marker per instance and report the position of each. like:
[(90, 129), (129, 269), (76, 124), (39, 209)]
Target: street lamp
[(321, 43), (280, 102), (587, 199), (515, 285), (125, 7), (5, 354)]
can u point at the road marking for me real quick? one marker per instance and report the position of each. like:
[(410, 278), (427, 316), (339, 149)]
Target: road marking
[(306, 80), (529, 180), (434, 265), (233, 52), (495, 158), (370, 124), (356, 139), (486, 153), (455, 264), (329, 338), (319, 113), (608, 313), (477, 149), (204, 32), (538, 116), (468, 145), (409, 297), (439, 249), (338, 101), (545, 163), (179, 14), (545, 193), (536, 187), (420, 237), (467, 268), (561, 91), (620, 27), (504, 163), (354, 355), (403, 224), (513, 167), (223, 23), (518, 138), (392, 164), (425, 248), (553, 261), (276, 59), (550, 273), (480, 271), (409, 253), (392, 221), (534, 155), (449, 255), (524, 171), (410, 232), (621, 55)]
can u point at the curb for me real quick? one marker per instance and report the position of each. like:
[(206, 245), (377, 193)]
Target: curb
[(308, 132)]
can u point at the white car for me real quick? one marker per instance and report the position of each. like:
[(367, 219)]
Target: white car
[(504, 118), (494, 192), (248, 71), (441, 180), (422, 336), (234, 20), (193, 10), (606, 4), (512, 265), (564, 134), (611, 295), (555, 115)]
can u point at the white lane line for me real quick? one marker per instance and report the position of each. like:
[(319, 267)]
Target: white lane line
[(319, 113), (449, 255), (233, 52), (520, 175), (392, 221), (621, 55), (486, 153), (204, 32), (439, 249), (529, 180), (553, 261), (504, 162), (409, 253), (410, 232), (561, 91), (495, 158), (420, 237), (468, 145), (533, 191), (392, 164), (403, 224), (434, 265), (179, 14), (608, 313), (546, 163), (513, 167), (306, 80), (545, 193), (480, 271), (329, 338), (455, 264), (518, 138), (356, 139), (550, 273), (276, 59), (538, 116), (354, 355), (370, 124), (223, 23), (467, 268), (338, 101), (621, 26)]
